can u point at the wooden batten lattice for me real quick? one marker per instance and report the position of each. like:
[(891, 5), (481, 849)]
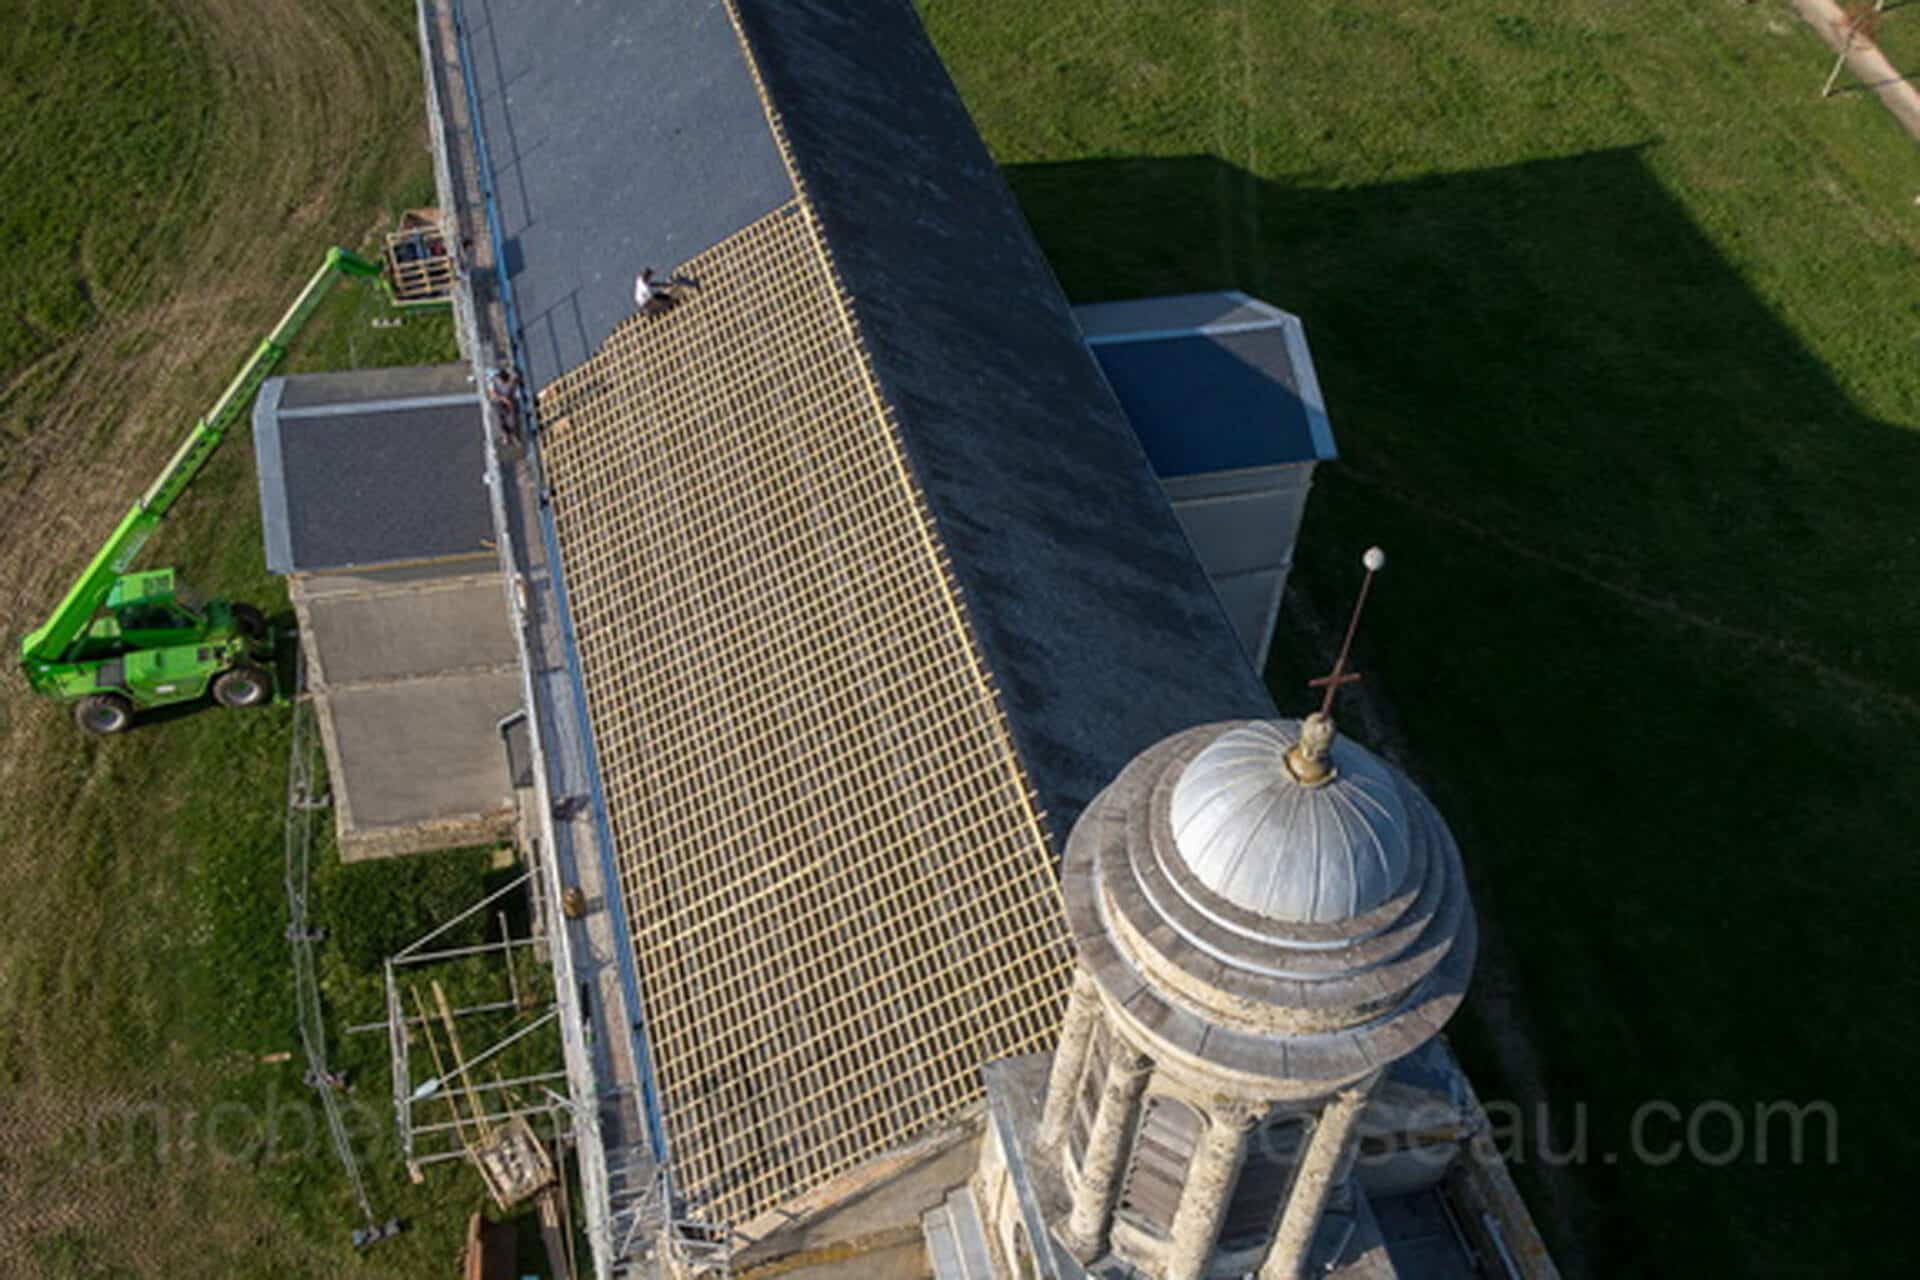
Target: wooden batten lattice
[(842, 900)]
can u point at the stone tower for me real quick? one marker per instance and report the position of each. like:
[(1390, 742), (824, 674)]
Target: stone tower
[(1267, 917)]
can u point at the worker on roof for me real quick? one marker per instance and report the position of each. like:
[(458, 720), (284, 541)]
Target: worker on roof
[(653, 297)]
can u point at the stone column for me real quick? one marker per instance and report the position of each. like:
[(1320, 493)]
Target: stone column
[(1069, 1057), (1321, 1166), (1086, 1230), (1211, 1175)]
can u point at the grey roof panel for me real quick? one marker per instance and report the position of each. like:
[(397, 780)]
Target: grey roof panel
[(347, 483), (455, 624), (1211, 381), (1093, 613), (1172, 311), (623, 134), (1204, 403), (423, 751), (270, 473), (359, 386)]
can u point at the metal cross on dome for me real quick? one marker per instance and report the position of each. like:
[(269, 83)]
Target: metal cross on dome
[(1334, 680)]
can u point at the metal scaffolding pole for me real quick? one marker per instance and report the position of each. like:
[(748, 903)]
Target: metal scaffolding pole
[(306, 788), (423, 1143)]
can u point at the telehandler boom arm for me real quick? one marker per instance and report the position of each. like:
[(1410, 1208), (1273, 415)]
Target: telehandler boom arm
[(55, 638)]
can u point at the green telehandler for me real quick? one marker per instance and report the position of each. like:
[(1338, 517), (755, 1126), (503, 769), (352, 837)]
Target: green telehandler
[(124, 642)]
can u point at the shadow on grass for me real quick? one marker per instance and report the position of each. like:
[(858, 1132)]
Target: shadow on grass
[(1554, 350), (286, 652), (154, 717), (1646, 635)]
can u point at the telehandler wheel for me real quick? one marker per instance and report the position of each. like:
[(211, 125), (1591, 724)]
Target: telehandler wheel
[(251, 622), (242, 686), (103, 713)]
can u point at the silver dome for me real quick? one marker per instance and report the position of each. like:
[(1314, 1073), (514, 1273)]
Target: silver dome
[(1260, 839)]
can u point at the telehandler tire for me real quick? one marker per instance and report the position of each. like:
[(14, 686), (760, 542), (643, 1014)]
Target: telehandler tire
[(103, 713), (243, 686)]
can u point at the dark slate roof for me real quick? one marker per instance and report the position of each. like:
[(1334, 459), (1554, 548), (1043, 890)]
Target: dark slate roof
[(373, 467), (1091, 609), (623, 134), (1211, 381)]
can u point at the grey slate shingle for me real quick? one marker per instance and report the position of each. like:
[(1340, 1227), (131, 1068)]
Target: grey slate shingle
[(1091, 608)]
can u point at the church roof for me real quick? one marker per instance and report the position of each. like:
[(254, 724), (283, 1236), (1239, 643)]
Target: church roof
[(624, 134), (873, 586), (1086, 599)]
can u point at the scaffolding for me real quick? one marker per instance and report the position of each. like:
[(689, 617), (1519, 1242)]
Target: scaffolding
[(424, 1140), (513, 1129), (1856, 33), (306, 799)]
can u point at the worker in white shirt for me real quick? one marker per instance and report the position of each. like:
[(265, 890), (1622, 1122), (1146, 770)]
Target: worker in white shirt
[(652, 296)]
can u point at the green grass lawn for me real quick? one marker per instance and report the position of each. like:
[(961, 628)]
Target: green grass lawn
[(176, 1003), (97, 164), (171, 182), (1615, 322)]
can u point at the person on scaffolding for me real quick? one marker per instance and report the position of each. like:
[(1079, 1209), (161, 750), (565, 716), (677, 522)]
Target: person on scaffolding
[(503, 390)]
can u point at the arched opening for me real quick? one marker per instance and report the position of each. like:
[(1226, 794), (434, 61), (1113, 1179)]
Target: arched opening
[(1266, 1175), (1163, 1146)]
